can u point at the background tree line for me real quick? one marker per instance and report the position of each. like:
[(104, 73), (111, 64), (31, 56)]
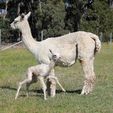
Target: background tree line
[(52, 18)]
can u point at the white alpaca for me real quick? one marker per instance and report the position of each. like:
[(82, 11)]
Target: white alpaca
[(78, 45), (40, 71)]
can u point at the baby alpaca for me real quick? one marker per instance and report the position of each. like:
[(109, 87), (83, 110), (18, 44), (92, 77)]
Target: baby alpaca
[(40, 71)]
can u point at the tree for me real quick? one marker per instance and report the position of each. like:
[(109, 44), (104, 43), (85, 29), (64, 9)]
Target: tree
[(73, 14), (59, 17), (51, 19)]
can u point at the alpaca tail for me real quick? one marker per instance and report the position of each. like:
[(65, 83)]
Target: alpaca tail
[(97, 42)]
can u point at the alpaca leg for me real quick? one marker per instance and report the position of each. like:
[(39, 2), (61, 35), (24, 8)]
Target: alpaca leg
[(51, 83), (43, 87), (93, 77), (89, 76)]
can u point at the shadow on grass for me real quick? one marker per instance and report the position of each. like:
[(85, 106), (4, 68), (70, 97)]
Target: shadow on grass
[(15, 89), (78, 91), (40, 91), (7, 87)]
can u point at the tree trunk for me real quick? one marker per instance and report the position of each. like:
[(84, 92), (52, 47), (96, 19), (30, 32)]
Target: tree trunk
[(6, 6)]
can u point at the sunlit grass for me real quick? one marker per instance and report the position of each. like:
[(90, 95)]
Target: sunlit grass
[(13, 65)]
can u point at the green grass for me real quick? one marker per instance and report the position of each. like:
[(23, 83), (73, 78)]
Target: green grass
[(13, 65)]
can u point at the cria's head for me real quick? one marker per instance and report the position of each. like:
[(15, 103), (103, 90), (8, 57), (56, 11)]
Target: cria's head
[(55, 56)]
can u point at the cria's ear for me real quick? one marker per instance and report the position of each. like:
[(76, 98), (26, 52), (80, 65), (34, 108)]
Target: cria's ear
[(28, 15), (51, 51), (54, 57)]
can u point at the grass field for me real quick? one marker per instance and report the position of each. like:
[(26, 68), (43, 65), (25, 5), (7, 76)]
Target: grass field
[(13, 65)]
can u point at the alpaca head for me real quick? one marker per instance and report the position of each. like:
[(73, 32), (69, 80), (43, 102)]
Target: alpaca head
[(20, 22)]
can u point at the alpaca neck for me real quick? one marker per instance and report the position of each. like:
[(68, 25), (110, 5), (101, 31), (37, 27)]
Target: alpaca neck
[(28, 40)]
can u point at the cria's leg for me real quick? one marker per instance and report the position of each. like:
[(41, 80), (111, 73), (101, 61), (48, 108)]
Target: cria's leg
[(34, 80), (89, 76), (60, 84), (19, 87), (27, 88), (51, 83), (54, 77), (43, 87), (28, 80), (52, 87)]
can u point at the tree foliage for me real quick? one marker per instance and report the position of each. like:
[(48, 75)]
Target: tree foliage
[(54, 19)]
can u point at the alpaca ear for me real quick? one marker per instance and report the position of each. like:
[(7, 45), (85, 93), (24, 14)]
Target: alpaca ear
[(22, 16), (28, 15)]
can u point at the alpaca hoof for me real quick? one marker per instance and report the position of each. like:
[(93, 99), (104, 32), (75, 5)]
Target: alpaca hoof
[(85, 92)]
